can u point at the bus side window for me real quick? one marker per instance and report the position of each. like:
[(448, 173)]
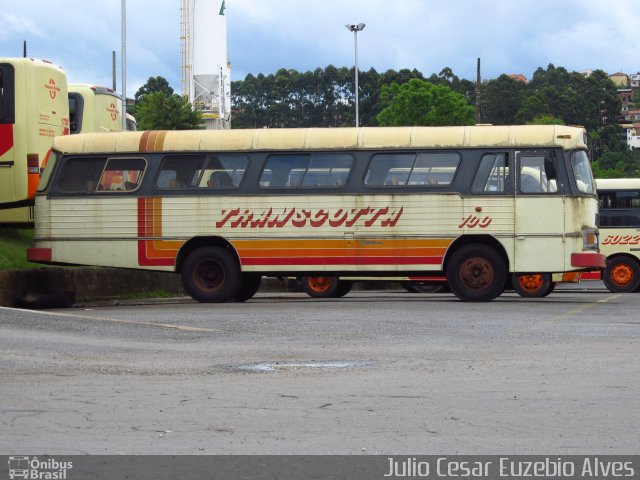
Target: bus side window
[(122, 174), (80, 175), (180, 172), (492, 174)]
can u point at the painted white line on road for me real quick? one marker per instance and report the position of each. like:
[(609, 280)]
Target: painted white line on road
[(185, 328)]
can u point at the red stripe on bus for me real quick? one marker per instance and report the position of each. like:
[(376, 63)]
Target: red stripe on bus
[(6, 138)]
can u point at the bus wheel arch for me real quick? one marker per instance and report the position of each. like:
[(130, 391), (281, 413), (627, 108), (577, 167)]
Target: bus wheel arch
[(198, 242), (476, 267), (622, 274)]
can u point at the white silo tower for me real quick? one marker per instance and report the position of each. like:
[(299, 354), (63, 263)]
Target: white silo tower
[(206, 78)]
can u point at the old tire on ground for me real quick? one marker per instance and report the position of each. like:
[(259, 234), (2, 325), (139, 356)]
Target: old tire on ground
[(535, 285), (476, 273), (622, 275), (249, 285), (210, 275)]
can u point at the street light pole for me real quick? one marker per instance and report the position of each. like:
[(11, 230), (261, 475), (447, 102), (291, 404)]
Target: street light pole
[(123, 28), (355, 29)]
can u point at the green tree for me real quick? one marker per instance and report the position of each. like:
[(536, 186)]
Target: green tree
[(159, 111), (418, 102), (501, 100), (154, 84)]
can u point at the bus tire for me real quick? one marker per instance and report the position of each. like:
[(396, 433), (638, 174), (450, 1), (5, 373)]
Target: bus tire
[(622, 275), (344, 287), (535, 285), (249, 285), (320, 286), (210, 275), (476, 273)]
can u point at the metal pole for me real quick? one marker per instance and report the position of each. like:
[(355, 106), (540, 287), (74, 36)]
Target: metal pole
[(355, 29), (355, 41), (124, 63)]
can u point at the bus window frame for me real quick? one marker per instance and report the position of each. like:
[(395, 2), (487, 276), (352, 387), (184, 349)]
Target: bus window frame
[(61, 169), (125, 191), (48, 172), (416, 156), (509, 180), (7, 94), (301, 187), (544, 154)]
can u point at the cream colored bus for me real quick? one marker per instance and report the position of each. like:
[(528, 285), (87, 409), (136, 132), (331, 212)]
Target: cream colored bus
[(96, 109), (33, 109), (620, 229), (224, 208)]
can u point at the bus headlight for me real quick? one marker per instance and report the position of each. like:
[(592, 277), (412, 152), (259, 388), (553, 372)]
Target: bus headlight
[(590, 239)]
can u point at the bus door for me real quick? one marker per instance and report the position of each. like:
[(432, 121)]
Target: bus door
[(539, 212), (7, 121)]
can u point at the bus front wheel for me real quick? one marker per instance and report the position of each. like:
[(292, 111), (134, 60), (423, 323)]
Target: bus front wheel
[(622, 275), (476, 273), (535, 285), (210, 275)]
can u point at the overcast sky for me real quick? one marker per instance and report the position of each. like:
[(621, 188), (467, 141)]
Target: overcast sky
[(510, 36)]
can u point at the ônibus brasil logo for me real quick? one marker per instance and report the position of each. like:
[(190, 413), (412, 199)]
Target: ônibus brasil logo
[(113, 111), (32, 468), (53, 89)]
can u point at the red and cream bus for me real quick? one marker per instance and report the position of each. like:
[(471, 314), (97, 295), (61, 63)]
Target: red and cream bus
[(33, 109), (620, 229), (224, 208)]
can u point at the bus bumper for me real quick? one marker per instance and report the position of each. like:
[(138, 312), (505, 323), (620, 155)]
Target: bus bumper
[(39, 255), (588, 260)]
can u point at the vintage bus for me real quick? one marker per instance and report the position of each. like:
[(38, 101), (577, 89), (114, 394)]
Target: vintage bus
[(620, 228), (224, 208), (96, 109), (33, 109)]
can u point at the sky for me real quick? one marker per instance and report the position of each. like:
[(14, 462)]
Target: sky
[(509, 36)]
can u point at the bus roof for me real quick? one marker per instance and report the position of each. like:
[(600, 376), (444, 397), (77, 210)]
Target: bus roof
[(325, 139), (618, 184)]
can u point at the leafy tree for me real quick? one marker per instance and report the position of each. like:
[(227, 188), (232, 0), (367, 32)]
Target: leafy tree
[(154, 84), (545, 119), (501, 100), (159, 111), (418, 102)]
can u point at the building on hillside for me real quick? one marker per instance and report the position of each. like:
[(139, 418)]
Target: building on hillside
[(633, 115), (519, 77), (625, 95), (632, 134), (620, 80), (634, 80)]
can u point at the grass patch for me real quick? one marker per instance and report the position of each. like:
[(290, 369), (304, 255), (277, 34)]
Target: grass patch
[(13, 249)]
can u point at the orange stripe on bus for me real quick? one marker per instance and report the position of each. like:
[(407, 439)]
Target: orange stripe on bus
[(340, 252), (392, 243)]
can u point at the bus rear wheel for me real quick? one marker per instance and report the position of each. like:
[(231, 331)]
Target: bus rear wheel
[(210, 275), (622, 275), (325, 287), (476, 273), (535, 285)]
